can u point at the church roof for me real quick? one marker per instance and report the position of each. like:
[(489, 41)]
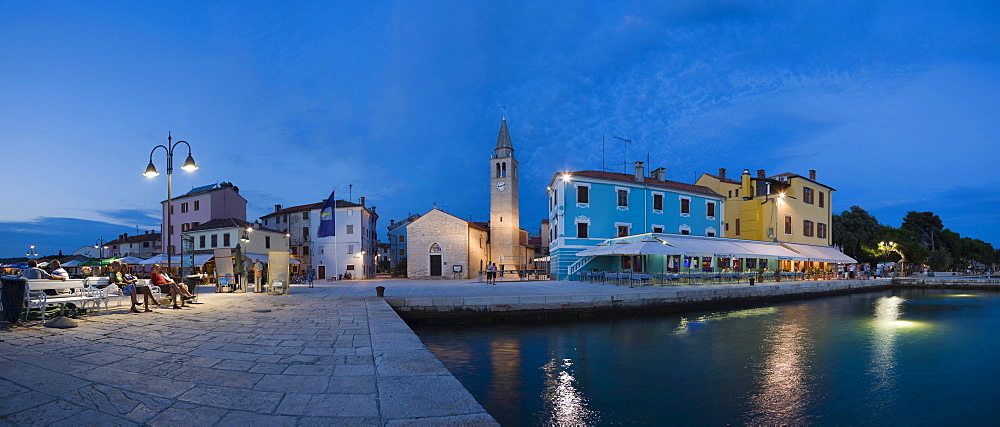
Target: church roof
[(504, 147)]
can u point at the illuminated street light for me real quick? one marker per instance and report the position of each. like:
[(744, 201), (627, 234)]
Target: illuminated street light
[(189, 165)]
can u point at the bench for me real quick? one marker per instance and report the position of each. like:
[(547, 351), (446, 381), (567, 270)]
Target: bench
[(80, 293)]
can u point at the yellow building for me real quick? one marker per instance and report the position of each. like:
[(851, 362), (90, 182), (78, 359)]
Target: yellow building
[(787, 207)]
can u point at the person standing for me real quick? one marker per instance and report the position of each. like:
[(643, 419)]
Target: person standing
[(258, 273), (309, 277)]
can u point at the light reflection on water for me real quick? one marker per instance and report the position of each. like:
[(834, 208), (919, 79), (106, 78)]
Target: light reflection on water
[(784, 390), (565, 404), (921, 357)]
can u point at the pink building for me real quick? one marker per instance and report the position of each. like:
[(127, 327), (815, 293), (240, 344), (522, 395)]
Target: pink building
[(201, 205)]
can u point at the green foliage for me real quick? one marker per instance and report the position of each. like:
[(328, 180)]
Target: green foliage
[(925, 226), (856, 231)]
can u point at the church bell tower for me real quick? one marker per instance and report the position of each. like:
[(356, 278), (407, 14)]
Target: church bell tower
[(505, 239)]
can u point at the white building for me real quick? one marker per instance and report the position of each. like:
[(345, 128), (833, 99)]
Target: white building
[(226, 233), (352, 250)]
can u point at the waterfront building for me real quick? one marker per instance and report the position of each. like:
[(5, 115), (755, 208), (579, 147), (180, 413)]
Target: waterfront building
[(792, 209), (141, 245), (588, 207), (352, 249), (398, 243), (296, 221), (198, 206), (444, 246), (255, 240)]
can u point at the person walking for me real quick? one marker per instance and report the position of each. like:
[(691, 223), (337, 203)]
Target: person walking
[(258, 273), (309, 277)]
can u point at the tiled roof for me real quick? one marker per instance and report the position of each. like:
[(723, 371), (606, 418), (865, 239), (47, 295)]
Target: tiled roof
[(485, 226), (228, 223), (787, 175), (402, 223), (136, 238), (731, 181), (202, 188), (650, 181), (311, 206)]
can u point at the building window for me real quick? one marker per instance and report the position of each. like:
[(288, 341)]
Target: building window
[(305, 250), (623, 230), (197, 204), (215, 240), (267, 242), (685, 206), (285, 218), (657, 228), (582, 194), (623, 198), (305, 215), (807, 228), (581, 230), (185, 226), (184, 207), (822, 199), (807, 195), (710, 232), (201, 242), (710, 209), (657, 202), (225, 240), (788, 224), (685, 231), (737, 226), (350, 249), (305, 233), (350, 228), (821, 230), (402, 252), (146, 244), (402, 238)]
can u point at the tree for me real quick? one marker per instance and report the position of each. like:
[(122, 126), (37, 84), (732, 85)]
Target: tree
[(926, 226), (855, 230)]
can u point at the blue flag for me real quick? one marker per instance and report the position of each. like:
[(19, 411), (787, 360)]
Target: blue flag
[(327, 218)]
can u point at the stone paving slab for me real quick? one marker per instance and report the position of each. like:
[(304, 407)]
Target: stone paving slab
[(320, 356)]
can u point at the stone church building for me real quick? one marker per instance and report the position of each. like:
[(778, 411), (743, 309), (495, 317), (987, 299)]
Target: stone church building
[(441, 245)]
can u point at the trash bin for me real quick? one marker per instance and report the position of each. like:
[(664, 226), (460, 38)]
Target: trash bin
[(380, 291), (13, 297)]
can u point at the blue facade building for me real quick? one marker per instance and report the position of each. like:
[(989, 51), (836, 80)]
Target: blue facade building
[(589, 207), (397, 241)]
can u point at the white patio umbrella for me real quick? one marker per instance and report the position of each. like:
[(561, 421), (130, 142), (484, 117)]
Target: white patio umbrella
[(131, 260), (645, 247)]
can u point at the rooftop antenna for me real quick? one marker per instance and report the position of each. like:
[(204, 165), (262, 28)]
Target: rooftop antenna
[(603, 168), (350, 193), (625, 143), (503, 113)]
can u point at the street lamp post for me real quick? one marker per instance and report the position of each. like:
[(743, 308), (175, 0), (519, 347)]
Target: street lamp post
[(189, 165), (32, 252), (100, 246)]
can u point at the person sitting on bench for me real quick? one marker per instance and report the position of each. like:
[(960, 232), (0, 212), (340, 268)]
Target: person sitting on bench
[(131, 287), (178, 291)]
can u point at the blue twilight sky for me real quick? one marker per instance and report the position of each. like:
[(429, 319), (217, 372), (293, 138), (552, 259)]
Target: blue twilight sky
[(895, 104)]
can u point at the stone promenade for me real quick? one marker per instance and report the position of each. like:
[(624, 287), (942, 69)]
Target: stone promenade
[(321, 356)]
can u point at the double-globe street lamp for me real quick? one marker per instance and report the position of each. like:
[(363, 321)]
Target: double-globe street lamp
[(100, 245), (32, 253), (189, 166)]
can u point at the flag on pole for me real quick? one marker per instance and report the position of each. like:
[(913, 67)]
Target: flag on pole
[(327, 218)]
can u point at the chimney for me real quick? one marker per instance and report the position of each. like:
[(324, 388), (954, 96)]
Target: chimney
[(722, 173), (660, 174), (640, 172), (362, 201), (812, 174), (760, 173), (277, 208)]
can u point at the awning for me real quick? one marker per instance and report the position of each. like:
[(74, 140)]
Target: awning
[(728, 248), (821, 253), (769, 250), (263, 258)]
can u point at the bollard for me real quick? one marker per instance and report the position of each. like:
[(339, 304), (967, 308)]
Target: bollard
[(751, 281), (380, 291)]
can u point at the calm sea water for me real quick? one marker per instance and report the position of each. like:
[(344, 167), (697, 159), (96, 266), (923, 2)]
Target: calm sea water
[(893, 357)]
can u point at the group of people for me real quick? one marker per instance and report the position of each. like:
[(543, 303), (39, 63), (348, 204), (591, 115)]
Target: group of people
[(491, 273), (129, 284)]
